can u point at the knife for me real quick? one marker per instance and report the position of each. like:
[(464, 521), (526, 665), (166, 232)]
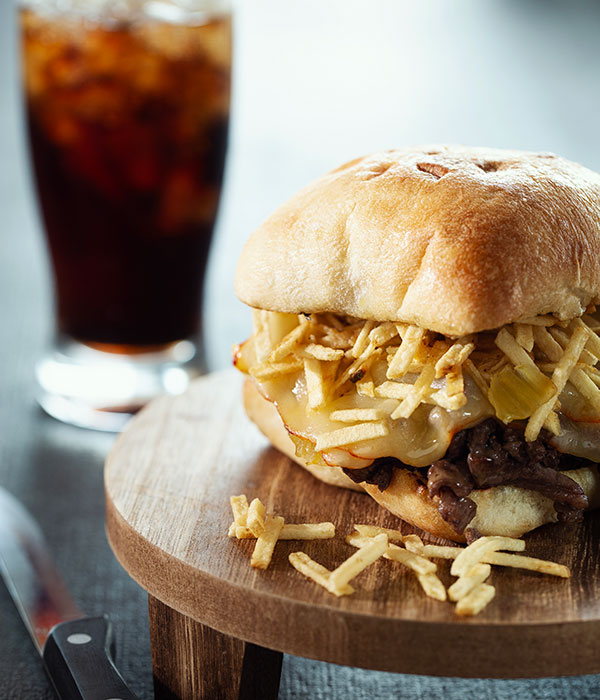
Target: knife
[(76, 650)]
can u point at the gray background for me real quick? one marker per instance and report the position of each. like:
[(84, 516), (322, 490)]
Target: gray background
[(316, 82)]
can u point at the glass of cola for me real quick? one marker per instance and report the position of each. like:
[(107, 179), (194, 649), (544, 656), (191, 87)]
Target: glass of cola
[(127, 107)]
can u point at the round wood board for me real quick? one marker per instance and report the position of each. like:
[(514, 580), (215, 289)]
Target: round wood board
[(168, 482)]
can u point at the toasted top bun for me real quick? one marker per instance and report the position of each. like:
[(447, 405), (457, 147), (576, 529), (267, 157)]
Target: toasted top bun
[(453, 239)]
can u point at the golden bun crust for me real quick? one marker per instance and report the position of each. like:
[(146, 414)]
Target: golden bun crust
[(502, 510), (453, 239), (264, 414), (405, 498)]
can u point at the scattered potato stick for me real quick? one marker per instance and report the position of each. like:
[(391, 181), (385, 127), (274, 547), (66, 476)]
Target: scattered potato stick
[(307, 531), (263, 550), (465, 584), (511, 348), (432, 586), (524, 335), (455, 384), (262, 334), (317, 573), (435, 551), (453, 357), (552, 423), (350, 435), (547, 343), (419, 390), (240, 532), (323, 353), (592, 323), (593, 343), (355, 540), (374, 530), (333, 349), (477, 377), (476, 601), (562, 337), (450, 403), (256, 517), (586, 387), (413, 542), (337, 340), (592, 375), (393, 390), (269, 370), (473, 554), (559, 378), (288, 344), (361, 340), (239, 507), (290, 531), (361, 363), (563, 340), (411, 339), (518, 561), (365, 388), (413, 561), (592, 370), (315, 386), (359, 561), (352, 415), (382, 333), (547, 366)]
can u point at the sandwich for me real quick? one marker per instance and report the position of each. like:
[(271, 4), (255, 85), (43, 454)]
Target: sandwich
[(425, 330)]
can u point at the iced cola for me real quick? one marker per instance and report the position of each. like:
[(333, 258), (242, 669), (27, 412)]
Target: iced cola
[(127, 116)]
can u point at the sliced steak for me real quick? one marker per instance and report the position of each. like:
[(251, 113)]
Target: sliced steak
[(493, 454), (553, 484), (489, 454), (379, 472), (456, 510), (445, 474)]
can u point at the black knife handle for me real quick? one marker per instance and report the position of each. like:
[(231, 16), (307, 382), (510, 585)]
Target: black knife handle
[(79, 663)]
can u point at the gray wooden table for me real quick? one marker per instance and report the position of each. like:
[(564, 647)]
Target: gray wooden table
[(315, 84)]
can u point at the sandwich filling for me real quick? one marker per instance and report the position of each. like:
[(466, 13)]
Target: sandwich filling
[(465, 413)]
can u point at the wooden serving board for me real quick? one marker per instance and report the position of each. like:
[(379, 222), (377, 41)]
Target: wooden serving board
[(168, 483)]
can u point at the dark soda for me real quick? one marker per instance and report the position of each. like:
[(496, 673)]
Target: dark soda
[(128, 122)]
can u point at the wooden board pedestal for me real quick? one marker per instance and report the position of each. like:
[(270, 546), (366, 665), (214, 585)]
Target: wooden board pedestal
[(214, 619), (192, 661)]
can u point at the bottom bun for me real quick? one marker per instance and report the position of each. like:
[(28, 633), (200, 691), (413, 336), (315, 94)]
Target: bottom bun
[(507, 510), (501, 510)]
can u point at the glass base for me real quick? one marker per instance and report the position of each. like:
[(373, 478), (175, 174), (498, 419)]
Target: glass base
[(83, 386)]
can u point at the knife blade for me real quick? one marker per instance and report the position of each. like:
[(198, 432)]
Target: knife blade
[(76, 650)]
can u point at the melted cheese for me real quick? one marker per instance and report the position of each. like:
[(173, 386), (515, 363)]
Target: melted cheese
[(417, 441), (578, 438)]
